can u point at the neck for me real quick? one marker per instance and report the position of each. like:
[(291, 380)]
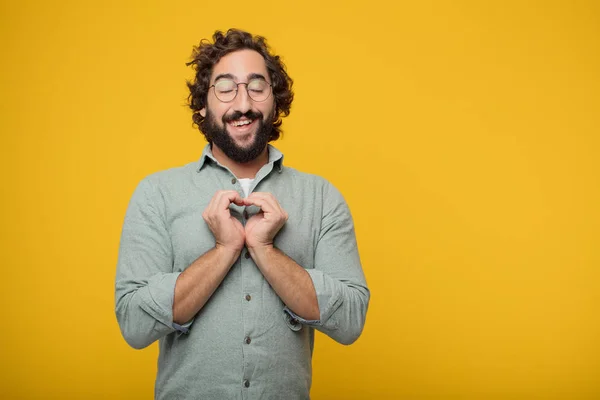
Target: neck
[(241, 170)]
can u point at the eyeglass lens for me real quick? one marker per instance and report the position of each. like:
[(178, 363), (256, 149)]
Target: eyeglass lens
[(226, 89)]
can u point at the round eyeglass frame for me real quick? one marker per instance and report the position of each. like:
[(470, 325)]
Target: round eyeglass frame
[(247, 91)]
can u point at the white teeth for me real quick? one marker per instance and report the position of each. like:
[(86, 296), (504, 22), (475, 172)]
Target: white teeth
[(240, 123)]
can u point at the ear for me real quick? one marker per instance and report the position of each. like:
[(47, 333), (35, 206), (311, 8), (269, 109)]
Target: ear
[(203, 112)]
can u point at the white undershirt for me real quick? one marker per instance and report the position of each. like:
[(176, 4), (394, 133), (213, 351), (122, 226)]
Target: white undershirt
[(246, 183)]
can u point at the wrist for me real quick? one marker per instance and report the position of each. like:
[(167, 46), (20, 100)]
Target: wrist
[(226, 252), (260, 250)]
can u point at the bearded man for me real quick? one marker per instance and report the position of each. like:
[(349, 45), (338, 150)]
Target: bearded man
[(232, 262)]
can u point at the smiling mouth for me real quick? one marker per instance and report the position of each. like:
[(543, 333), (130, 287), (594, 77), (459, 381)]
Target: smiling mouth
[(241, 122), (243, 125)]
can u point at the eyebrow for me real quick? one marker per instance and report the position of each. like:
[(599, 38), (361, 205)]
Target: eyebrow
[(257, 76), (224, 76), (250, 76)]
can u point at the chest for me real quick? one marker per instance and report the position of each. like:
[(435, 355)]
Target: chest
[(191, 237)]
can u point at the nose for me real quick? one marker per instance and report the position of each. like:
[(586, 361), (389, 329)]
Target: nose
[(242, 101)]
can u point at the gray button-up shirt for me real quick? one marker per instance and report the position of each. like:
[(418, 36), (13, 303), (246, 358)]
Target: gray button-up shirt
[(244, 343)]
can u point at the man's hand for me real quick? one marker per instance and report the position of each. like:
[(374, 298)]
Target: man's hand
[(289, 280), (228, 231), (262, 227), (198, 282)]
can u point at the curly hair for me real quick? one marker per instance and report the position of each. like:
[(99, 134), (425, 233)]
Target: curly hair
[(206, 55)]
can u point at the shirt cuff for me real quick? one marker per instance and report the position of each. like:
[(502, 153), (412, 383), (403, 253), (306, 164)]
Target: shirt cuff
[(295, 322), (182, 329)]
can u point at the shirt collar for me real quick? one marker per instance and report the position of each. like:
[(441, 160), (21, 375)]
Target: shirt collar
[(275, 158)]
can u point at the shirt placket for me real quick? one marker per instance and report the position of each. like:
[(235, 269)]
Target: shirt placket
[(248, 298), (248, 295), (251, 279)]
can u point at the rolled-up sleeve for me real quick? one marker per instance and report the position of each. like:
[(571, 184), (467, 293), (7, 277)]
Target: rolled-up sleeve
[(338, 278), (145, 281)]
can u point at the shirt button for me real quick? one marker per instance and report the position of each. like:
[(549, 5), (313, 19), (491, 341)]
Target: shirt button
[(233, 180), (247, 255), (248, 297), (247, 340), (246, 383)]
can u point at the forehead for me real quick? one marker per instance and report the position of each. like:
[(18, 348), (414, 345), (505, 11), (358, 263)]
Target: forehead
[(240, 64)]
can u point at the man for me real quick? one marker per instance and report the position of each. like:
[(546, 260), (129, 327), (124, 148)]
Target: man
[(232, 262)]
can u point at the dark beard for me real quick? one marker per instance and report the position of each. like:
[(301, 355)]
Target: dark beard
[(220, 137)]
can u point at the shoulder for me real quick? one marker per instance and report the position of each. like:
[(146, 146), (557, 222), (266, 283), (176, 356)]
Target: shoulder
[(293, 173), (156, 186), (315, 183), (172, 176)]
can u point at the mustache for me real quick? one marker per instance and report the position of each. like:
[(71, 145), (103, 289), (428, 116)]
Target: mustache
[(252, 115)]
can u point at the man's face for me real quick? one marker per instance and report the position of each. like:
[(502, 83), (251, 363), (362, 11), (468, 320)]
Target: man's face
[(240, 128)]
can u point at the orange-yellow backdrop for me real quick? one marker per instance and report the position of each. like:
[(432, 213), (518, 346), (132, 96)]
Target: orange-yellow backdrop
[(463, 134)]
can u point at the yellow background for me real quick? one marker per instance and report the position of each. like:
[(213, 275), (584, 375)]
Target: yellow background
[(463, 134)]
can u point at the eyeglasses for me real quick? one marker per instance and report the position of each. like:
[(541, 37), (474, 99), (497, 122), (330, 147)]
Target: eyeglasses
[(226, 89)]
